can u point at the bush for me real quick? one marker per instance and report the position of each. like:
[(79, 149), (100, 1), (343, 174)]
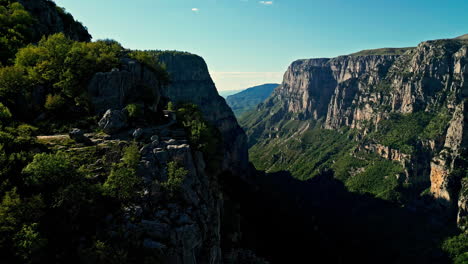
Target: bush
[(175, 177), (29, 243), (13, 82), (49, 169), (202, 135), (54, 103), (5, 114), (134, 111), (457, 247), (123, 181)]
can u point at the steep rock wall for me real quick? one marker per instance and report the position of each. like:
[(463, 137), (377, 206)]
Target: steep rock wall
[(359, 92), (191, 83)]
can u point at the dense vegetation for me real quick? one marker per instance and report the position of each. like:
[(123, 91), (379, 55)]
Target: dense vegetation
[(55, 189), (15, 29), (383, 51)]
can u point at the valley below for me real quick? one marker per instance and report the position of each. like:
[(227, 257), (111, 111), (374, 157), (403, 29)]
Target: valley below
[(115, 155)]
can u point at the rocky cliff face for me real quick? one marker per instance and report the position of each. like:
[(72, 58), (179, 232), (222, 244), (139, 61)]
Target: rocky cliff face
[(364, 92), (191, 83), (132, 83), (52, 19), (187, 228)]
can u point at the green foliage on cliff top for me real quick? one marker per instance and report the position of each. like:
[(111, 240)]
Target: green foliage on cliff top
[(148, 59), (382, 51)]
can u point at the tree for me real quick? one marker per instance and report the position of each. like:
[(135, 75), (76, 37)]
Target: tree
[(123, 181), (52, 170), (15, 29), (175, 177), (29, 243)]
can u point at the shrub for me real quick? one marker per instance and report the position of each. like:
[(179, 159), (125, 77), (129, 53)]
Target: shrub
[(123, 181), (457, 247), (49, 169), (202, 135), (29, 243), (175, 177), (5, 114), (13, 82), (54, 103), (134, 111)]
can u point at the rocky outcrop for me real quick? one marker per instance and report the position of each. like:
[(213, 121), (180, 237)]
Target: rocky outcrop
[(187, 226), (132, 83), (442, 165), (52, 19), (191, 83), (113, 121)]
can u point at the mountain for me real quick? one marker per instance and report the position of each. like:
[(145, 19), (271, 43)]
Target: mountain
[(387, 123), (249, 98), (226, 93), (109, 154)]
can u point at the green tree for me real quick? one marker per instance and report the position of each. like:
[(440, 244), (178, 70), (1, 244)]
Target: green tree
[(123, 180), (49, 169), (175, 177), (29, 243), (15, 29), (13, 83)]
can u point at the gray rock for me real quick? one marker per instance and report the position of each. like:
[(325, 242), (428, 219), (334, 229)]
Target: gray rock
[(148, 243), (113, 121), (156, 229), (79, 136), (115, 89), (138, 133), (155, 138)]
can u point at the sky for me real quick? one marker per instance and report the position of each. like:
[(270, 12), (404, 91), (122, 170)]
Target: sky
[(247, 43)]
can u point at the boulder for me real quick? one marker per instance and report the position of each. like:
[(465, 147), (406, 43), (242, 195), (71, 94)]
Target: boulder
[(113, 121), (137, 133), (79, 136)]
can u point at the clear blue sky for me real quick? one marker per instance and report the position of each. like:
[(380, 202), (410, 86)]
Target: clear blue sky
[(247, 42)]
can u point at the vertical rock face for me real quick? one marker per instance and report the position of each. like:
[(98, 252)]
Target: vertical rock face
[(132, 83), (191, 83), (359, 92)]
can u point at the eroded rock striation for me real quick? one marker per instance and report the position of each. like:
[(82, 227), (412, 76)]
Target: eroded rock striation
[(192, 83), (364, 93)]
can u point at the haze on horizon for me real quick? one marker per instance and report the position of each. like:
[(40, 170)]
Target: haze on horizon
[(247, 42)]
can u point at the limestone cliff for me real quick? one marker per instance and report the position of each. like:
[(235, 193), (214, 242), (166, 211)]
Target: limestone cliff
[(186, 228), (365, 93), (191, 83)]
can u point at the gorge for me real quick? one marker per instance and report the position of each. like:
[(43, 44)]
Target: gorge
[(113, 155)]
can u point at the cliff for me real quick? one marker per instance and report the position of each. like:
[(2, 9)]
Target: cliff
[(406, 106), (191, 83)]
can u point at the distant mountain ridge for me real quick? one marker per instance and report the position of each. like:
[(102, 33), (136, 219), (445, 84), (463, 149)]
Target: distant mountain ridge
[(250, 98)]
